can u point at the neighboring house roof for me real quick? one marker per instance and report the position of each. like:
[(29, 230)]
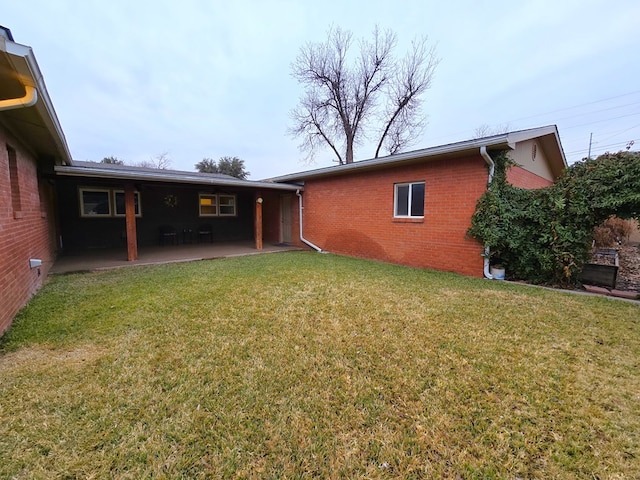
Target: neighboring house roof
[(27, 110), (547, 136), (127, 172)]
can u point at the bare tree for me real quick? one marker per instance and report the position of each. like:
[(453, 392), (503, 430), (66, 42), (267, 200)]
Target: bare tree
[(161, 162), (378, 95), (486, 130)]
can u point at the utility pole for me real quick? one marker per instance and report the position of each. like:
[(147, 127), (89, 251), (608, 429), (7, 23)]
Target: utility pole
[(590, 138)]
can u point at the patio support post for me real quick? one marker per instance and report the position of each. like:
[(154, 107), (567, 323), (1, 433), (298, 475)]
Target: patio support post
[(130, 218), (257, 227)]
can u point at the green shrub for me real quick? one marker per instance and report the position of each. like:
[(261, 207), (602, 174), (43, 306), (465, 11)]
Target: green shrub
[(544, 235)]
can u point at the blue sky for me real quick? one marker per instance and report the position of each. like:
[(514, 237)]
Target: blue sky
[(198, 79)]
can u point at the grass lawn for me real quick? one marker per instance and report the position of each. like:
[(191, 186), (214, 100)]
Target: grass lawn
[(300, 365)]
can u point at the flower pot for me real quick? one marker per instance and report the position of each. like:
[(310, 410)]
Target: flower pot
[(497, 272)]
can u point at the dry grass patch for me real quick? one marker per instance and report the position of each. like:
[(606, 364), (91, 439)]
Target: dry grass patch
[(299, 365)]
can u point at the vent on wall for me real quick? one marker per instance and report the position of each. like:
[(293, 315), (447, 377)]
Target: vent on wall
[(534, 151)]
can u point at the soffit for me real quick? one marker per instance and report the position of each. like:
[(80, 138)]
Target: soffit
[(36, 127)]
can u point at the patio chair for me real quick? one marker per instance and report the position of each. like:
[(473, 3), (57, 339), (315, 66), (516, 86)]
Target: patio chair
[(168, 235), (204, 231)]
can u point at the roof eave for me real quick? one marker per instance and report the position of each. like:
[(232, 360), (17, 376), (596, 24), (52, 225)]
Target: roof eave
[(32, 76), (398, 159), (505, 141), (159, 176)]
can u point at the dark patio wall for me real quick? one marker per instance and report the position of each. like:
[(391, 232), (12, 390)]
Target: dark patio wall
[(81, 233)]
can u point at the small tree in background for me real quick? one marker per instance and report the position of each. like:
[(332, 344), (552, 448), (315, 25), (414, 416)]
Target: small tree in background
[(112, 160), (232, 166), (161, 162), (485, 130), (207, 165)]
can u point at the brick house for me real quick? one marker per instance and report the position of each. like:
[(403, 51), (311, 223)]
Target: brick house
[(415, 208), (411, 208), (31, 143)]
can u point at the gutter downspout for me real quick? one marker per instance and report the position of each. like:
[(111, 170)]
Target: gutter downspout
[(28, 100), (492, 167), (315, 247)]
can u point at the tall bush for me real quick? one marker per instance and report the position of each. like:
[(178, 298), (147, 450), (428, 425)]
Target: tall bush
[(544, 235)]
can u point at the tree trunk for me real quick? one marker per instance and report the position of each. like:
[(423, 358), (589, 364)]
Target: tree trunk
[(349, 154)]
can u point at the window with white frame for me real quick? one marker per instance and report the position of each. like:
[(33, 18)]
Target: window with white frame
[(95, 202), (119, 202), (409, 200), (217, 205), (105, 202), (208, 205), (227, 205)]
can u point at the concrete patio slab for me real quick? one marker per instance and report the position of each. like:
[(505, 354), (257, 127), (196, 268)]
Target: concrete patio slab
[(116, 258)]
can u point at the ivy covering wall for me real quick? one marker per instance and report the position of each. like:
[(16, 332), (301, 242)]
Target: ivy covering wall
[(545, 235)]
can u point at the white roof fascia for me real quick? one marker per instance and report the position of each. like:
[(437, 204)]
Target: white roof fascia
[(398, 158), (37, 80), (505, 140), (166, 177)]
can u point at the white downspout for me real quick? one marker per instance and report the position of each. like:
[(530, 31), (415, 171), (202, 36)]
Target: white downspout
[(315, 247), (489, 160), (492, 167), (28, 100)]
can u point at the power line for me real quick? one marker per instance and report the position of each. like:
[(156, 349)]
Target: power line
[(605, 136), (598, 111), (466, 132), (601, 120), (576, 106), (597, 146), (620, 132)]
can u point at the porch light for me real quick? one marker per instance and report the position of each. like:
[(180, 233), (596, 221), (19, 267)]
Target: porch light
[(259, 200)]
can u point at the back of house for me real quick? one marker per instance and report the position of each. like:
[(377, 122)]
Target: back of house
[(415, 208), (411, 208)]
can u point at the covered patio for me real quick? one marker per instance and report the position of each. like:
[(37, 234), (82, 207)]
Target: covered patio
[(113, 214), (105, 259)]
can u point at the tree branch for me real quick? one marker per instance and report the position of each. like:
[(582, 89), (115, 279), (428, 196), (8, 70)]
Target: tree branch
[(341, 102), (413, 78)]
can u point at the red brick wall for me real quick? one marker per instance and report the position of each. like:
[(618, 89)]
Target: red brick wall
[(353, 215), (28, 233), (271, 217), (519, 177)]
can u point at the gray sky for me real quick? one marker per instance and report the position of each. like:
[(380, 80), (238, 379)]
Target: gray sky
[(196, 78)]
